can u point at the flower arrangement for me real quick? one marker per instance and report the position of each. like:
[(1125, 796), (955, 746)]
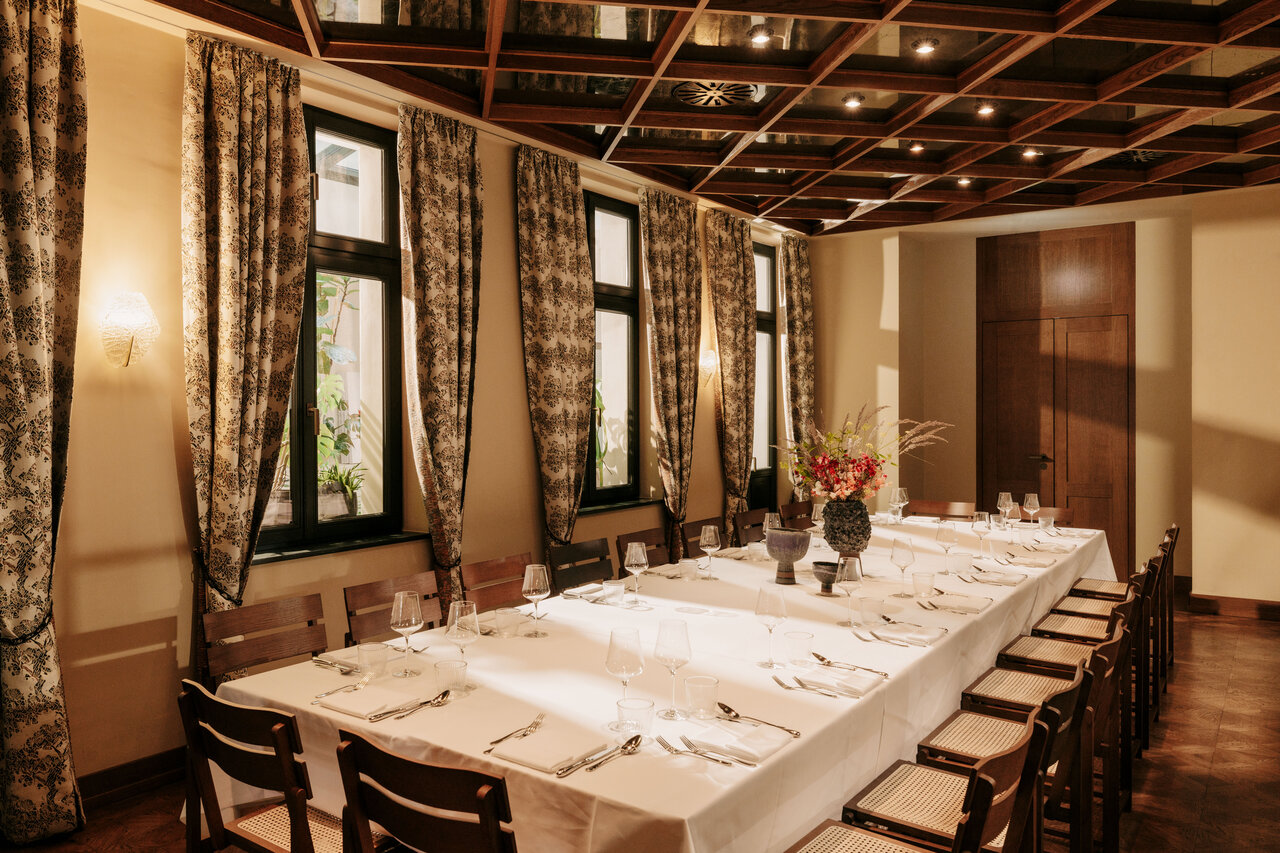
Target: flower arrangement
[(850, 464)]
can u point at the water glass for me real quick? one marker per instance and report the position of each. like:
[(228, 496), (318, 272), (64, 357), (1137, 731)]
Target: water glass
[(372, 658), (701, 693), (451, 675), (505, 621), (799, 648), (635, 717), (871, 610), (614, 590), (688, 569), (923, 583), (1046, 522)]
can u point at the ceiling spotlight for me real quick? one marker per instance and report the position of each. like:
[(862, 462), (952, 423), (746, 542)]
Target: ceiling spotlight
[(915, 147), (1030, 153), (924, 45), (760, 35), (964, 182), (986, 108), (853, 100)]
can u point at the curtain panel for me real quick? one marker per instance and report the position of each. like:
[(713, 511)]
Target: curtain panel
[(440, 196), (246, 210), (557, 310), (43, 119), (673, 269), (797, 374), (731, 284)]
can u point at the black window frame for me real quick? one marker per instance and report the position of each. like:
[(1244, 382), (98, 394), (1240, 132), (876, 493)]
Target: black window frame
[(622, 300), (378, 259), (762, 487)]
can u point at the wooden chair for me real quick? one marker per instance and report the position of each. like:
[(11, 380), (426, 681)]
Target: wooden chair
[(263, 633), (258, 747), (579, 563), (655, 545), (953, 510), (1061, 515), (369, 605), (749, 526), (692, 533), (495, 583), (468, 807), (798, 515)]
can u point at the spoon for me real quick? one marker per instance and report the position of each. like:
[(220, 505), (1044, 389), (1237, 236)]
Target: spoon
[(628, 748), (430, 703), (826, 662), (730, 714)]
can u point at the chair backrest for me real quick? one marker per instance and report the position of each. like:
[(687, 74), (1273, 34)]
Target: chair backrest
[(579, 563), (1065, 711), (495, 583), (692, 533), (263, 633), (255, 746), (963, 510), (369, 605), (1009, 782), (370, 773), (1168, 545), (1062, 515), (798, 515), (749, 525), (1114, 653), (655, 545)]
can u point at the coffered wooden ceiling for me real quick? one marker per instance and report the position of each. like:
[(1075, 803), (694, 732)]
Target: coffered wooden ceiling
[(1022, 104)]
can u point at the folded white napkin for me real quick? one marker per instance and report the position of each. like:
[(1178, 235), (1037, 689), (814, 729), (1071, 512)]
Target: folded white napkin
[(1055, 547), (851, 683), (585, 589), (556, 744), (1033, 562), (922, 519), (990, 574), (755, 745), (915, 635), (732, 553), (1074, 532), (364, 702), (963, 603)]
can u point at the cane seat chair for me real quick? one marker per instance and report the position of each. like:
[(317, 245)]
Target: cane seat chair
[(953, 510), (1098, 588), (655, 545), (369, 605), (797, 515), (580, 563), (692, 533), (495, 583), (749, 526)]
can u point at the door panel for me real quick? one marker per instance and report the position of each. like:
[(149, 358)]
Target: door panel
[(1017, 408)]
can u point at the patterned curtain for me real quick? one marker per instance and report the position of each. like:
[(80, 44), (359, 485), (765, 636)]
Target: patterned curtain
[(731, 281), (440, 194), (457, 15), (673, 265), (554, 19), (557, 308), (43, 119), (245, 220), (797, 292)]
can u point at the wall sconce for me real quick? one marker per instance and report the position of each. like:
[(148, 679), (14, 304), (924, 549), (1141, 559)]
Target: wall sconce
[(129, 327), (708, 364)]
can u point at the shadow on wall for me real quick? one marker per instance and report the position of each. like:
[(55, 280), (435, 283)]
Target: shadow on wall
[(1237, 466)]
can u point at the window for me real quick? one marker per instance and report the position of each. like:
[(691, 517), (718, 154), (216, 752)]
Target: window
[(339, 475), (762, 490), (613, 236)]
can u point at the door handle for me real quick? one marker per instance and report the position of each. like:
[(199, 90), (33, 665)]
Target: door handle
[(1043, 458)]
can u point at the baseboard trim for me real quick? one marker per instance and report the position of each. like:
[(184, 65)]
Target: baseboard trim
[(1248, 608), (133, 777)]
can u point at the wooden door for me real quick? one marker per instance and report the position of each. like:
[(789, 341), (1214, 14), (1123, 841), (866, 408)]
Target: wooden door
[(1017, 409)]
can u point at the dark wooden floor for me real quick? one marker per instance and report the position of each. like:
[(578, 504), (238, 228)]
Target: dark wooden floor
[(1210, 782)]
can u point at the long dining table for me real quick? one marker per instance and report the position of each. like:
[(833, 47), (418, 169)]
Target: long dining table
[(656, 801)]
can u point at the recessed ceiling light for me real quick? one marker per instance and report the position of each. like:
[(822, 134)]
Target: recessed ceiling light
[(964, 182), (760, 35), (915, 147), (1030, 153), (853, 100), (986, 108), (924, 45)]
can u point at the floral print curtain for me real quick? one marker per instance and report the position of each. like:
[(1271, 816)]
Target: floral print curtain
[(440, 194), (554, 19), (246, 210), (42, 167), (673, 267), (731, 284), (797, 374), (557, 309)]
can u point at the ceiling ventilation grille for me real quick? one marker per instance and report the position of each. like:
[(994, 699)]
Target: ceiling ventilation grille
[(701, 94)]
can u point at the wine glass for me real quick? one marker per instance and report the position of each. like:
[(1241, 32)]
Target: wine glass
[(623, 661), (672, 651), (902, 556), (897, 500), (771, 609), (981, 527), (848, 578), (948, 536), (464, 625), (536, 587), (1031, 503), (636, 563), (709, 541), (406, 618), (772, 521), (1005, 503)]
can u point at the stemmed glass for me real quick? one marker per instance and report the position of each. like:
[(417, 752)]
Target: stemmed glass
[(772, 521), (1031, 503), (1005, 504), (948, 537), (536, 587), (897, 500), (709, 542), (981, 527), (406, 618), (464, 625), (848, 578), (624, 661), (902, 556), (672, 651), (637, 562), (771, 609)]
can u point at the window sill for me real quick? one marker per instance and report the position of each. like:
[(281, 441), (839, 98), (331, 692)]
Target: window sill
[(337, 547), (614, 507)]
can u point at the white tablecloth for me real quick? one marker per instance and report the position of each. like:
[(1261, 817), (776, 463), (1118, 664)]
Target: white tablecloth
[(653, 801)]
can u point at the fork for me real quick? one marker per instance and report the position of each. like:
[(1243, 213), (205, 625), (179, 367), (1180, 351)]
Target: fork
[(671, 749), (523, 731), (346, 688), (700, 750), (803, 687), (874, 639)]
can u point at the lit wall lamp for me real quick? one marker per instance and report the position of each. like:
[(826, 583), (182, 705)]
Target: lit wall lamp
[(708, 364), (129, 327)]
